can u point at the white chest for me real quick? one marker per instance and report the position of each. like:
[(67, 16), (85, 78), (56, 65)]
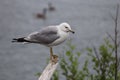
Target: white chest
[(62, 38)]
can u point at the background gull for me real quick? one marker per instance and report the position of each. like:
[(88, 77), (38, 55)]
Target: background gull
[(49, 36)]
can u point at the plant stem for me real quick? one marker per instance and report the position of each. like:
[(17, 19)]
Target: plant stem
[(115, 43)]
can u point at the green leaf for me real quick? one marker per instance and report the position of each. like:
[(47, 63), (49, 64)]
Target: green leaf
[(78, 54), (38, 74), (68, 53)]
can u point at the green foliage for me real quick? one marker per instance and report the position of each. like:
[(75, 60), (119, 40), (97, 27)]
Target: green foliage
[(69, 64), (55, 76), (38, 74), (101, 58), (104, 61)]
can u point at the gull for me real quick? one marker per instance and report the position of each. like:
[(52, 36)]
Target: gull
[(49, 36)]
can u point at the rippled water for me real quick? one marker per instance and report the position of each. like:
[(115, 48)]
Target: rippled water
[(89, 18)]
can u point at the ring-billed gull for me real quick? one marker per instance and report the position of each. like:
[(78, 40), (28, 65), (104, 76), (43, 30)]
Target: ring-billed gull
[(49, 36)]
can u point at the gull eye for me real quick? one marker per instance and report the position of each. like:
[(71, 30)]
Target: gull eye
[(66, 27)]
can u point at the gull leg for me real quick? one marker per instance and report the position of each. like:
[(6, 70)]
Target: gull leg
[(53, 58), (51, 53)]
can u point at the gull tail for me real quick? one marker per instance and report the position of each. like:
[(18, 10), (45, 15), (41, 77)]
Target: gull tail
[(19, 40)]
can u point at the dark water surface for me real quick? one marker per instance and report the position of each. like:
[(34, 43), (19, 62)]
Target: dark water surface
[(89, 18)]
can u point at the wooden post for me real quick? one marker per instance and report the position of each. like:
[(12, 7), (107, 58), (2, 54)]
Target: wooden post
[(49, 70)]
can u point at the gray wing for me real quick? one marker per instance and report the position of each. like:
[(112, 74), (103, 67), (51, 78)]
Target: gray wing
[(45, 36)]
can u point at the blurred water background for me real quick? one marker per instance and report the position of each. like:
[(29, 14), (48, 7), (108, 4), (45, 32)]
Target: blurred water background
[(90, 19)]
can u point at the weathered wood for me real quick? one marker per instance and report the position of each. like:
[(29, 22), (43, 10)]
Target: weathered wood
[(49, 70)]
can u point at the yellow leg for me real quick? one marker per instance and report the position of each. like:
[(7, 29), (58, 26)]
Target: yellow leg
[(51, 53)]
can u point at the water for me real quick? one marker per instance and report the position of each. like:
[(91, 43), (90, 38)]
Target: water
[(89, 18)]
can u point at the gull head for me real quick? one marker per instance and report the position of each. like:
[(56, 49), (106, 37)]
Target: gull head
[(66, 27)]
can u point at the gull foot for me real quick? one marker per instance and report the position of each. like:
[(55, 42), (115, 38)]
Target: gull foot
[(54, 59)]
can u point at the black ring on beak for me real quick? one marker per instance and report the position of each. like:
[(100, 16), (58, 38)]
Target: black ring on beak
[(72, 31)]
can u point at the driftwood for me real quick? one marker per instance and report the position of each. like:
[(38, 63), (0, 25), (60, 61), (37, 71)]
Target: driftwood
[(49, 70)]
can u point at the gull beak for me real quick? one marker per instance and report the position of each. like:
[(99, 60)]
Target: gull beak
[(72, 31)]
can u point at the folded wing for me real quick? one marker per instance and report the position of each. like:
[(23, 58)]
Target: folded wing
[(45, 36)]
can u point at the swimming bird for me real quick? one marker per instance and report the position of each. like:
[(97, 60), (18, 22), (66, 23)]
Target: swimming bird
[(51, 7), (49, 36), (42, 15)]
